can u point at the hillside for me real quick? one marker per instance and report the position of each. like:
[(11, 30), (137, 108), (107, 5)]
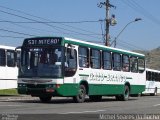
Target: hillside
[(152, 58)]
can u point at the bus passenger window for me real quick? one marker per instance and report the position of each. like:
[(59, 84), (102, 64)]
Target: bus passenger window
[(141, 65), (116, 58), (11, 58), (106, 61), (2, 57), (125, 63), (83, 54), (133, 64), (147, 75), (158, 77), (95, 59)]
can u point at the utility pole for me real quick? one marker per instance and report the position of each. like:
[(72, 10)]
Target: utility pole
[(108, 19), (107, 23)]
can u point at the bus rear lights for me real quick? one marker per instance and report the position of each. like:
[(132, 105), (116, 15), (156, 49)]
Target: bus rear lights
[(50, 90)]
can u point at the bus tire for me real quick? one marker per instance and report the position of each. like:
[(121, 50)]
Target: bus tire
[(95, 98), (125, 95), (45, 99), (80, 98)]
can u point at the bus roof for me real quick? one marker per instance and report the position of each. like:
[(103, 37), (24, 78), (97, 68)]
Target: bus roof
[(152, 70), (7, 47), (102, 46)]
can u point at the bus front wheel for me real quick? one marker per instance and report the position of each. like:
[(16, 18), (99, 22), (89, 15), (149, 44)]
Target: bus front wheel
[(81, 94)]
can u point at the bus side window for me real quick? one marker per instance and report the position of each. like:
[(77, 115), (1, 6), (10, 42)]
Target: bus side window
[(2, 57), (158, 77), (116, 58), (95, 59), (147, 75), (11, 58), (150, 76), (125, 63), (106, 60), (133, 64), (83, 54), (141, 65)]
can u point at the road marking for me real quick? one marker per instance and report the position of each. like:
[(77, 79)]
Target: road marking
[(83, 112), (156, 105)]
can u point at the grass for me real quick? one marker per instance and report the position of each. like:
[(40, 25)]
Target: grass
[(8, 92)]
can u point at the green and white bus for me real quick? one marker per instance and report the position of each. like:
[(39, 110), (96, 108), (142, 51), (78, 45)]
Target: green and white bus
[(60, 66)]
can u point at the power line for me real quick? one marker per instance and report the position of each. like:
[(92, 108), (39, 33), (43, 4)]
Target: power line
[(24, 22), (50, 22), (138, 8), (16, 32), (7, 36), (57, 28), (27, 27), (129, 45), (27, 19)]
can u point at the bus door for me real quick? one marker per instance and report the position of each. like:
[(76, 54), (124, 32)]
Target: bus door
[(70, 64)]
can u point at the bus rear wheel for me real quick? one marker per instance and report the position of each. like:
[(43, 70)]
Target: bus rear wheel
[(45, 99), (125, 95), (80, 98)]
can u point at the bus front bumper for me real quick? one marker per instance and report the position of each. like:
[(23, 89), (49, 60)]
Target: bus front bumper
[(37, 90)]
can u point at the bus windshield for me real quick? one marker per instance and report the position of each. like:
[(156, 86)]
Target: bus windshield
[(41, 62)]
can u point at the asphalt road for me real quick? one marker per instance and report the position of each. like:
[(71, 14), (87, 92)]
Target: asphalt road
[(64, 108)]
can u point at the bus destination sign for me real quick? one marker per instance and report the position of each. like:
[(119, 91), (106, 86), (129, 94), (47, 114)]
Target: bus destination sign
[(42, 41)]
